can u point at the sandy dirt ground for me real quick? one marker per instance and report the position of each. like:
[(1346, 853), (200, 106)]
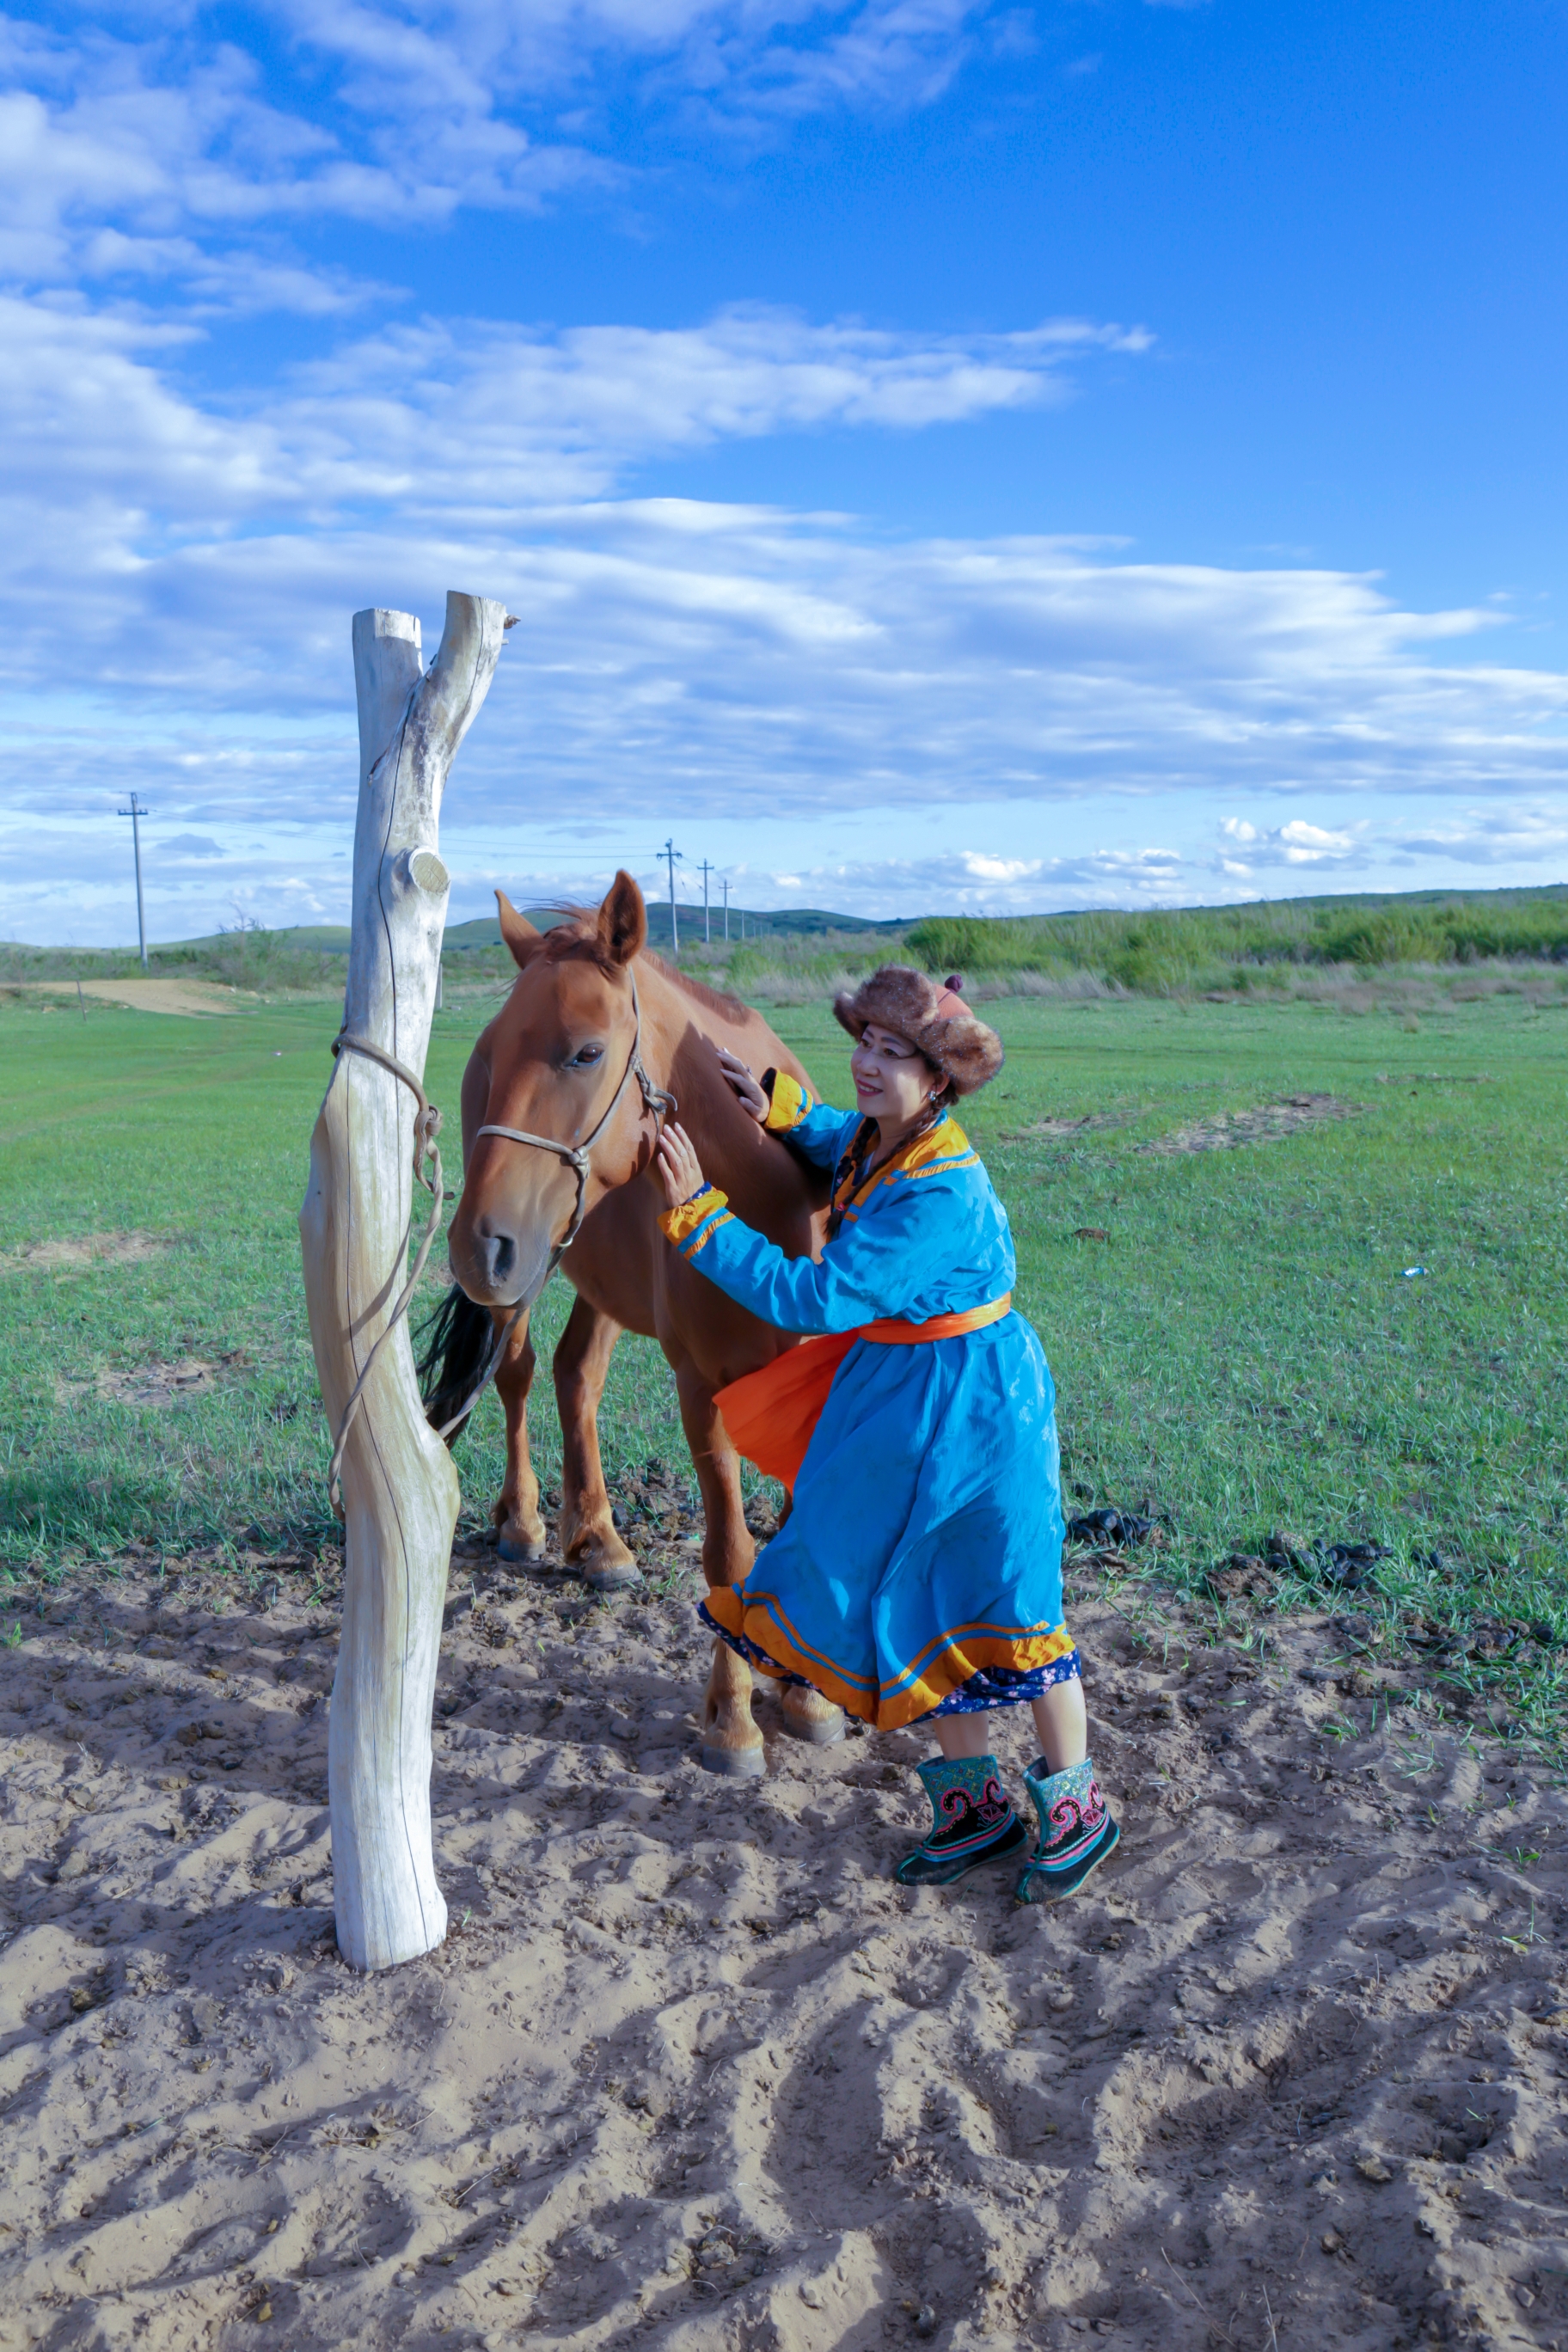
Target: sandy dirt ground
[(692, 2071)]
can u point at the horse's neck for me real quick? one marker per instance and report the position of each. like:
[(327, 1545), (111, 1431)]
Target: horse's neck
[(707, 1108)]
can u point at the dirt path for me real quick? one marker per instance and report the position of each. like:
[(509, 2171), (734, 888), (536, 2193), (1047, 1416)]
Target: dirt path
[(187, 996), (692, 2071)]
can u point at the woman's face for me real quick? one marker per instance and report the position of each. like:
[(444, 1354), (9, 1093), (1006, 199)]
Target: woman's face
[(893, 1081)]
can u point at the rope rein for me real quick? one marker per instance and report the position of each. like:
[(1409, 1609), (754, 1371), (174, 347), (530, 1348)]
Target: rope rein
[(426, 1127)]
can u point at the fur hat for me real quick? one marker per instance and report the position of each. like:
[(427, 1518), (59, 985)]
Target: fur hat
[(932, 1015)]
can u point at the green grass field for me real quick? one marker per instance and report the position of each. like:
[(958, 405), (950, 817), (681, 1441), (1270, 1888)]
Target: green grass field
[(1244, 1348)]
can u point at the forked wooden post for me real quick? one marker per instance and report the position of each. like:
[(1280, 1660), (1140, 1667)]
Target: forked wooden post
[(400, 1491)]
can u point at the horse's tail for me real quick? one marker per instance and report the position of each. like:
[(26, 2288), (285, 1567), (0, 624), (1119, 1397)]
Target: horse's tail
[(458, 1339)]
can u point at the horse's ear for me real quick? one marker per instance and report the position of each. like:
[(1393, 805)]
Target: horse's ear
[(517, 932), (623, 920)]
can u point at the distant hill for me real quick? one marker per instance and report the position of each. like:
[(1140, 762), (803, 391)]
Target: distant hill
[(773, 923), (318, 938), (484, 930), (1358, 927)]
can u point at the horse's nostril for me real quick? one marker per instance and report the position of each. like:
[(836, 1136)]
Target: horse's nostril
[(503, 1257)]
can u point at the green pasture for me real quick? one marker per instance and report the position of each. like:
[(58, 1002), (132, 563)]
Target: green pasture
[(1244, 1349)]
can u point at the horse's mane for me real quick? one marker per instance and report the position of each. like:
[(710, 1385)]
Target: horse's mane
[(717, 1000), (575, 938)]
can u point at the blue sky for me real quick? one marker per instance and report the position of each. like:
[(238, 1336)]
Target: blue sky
[(940, 454)]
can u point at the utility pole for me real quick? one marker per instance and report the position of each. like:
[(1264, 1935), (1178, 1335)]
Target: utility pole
[(707, 934), (724, 884), (669, 853), (136, 812)]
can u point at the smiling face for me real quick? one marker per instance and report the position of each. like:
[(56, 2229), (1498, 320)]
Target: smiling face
[(894, 1083)]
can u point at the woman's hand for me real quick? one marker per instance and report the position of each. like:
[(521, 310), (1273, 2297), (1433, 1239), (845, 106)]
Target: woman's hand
[(678, 1166), (750, 1094)]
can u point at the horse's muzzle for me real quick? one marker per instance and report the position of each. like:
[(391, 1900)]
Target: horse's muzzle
[(496, 1267)]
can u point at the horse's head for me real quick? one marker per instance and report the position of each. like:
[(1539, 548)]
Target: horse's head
[(556, 1065)]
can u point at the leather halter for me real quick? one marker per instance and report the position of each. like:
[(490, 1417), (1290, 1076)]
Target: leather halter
[(656, 1099)]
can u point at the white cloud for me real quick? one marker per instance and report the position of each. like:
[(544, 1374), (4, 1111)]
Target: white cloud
[(181, 575), (1296, 843), (1302, 841), (471, 419), (1532, 837), (983, 868), (73, 881), (181, 566), (741, 61), (116, 152), (162, 158), (467, 411)]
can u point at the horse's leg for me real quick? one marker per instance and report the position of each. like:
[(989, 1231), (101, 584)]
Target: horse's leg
[(731, 1740), (806, 1714), (516, 1515), (588, 1538)]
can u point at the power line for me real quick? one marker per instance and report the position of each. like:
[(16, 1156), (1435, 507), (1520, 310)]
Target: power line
[(724, 884), (136, 812), (671, 853), (707, 934)]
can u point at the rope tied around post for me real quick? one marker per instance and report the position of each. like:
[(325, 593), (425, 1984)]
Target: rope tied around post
[(426, 1127), (656, 1100)]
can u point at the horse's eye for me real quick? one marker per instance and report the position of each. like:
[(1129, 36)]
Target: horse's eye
[(585, 1057)]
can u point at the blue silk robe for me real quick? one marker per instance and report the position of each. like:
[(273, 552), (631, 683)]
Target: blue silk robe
[(920, 1565)]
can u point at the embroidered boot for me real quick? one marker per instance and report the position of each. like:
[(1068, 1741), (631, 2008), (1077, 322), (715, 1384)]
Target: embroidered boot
[(972, 1821), (1077, 1830)]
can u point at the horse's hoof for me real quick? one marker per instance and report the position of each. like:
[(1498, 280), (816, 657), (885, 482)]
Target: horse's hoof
[(820, 1724), (613, 1576), (523, 1554), (734, 1763)]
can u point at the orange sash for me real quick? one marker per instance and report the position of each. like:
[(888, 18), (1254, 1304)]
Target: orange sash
[(771, 1413)]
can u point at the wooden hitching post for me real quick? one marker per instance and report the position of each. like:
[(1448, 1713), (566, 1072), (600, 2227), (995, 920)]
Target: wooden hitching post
[(399, 1488)]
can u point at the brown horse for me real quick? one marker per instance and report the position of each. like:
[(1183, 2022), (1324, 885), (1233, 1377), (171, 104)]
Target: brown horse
[(595, 1030)]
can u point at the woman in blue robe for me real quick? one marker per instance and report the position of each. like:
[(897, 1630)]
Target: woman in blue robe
[(918, 1576)]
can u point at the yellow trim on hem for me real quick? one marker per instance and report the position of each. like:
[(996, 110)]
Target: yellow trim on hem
[(680, 1224), (949, 1664)]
